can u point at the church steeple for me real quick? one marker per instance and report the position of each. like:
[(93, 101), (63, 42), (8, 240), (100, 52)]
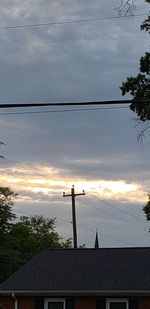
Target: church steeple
[(96, 241)]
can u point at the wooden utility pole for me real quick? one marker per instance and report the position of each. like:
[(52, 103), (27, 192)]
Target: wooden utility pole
[(73, 196)]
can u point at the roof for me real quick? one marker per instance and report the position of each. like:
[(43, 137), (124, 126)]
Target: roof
[(55, 270)]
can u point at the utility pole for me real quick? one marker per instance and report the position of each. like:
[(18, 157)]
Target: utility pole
[(73, 196)]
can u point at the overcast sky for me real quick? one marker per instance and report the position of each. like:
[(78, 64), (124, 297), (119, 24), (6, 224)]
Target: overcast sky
[(95, 150)]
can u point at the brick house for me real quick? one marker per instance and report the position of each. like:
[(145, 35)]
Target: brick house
[(114, 278)]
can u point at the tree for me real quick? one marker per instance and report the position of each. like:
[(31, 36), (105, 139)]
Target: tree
[(7, 197), (7, 257), (32, 234), (146, 24), (139, 87), (20, 239), (146, 209), (26, 238)]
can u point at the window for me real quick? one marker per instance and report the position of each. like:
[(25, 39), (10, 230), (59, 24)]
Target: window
[(54, 304), (117, 304)]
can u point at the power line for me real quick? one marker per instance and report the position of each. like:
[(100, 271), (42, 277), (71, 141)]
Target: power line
[(117, 239), (63, 111), (76, 103), (68, 22), (82, 103), (106, 235), (14, 164), (115, 207), (101, 210), (83, 227), (107, 203), (21, 168), (122, 219), (62, 104), (109, 214), (44, 215)]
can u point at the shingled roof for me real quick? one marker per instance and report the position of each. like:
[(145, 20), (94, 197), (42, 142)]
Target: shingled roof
[(57, 270)]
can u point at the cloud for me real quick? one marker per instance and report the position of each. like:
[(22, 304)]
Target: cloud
[(91, 149), (47, 186), (80, 59)]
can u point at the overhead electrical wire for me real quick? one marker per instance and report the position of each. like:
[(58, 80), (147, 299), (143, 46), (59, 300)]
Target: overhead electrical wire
[(117, 239), (86, 203), (63, 110), (76, 21), (107, 236), (64, 221), (21, 168), (109, 214), (83, 227), (33, 214), (77, 103), (115, 207), (13, 164)]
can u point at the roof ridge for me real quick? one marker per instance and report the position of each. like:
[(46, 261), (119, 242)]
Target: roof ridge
[(95, 249)]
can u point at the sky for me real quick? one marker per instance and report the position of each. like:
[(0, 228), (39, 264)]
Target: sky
[(95, 150)]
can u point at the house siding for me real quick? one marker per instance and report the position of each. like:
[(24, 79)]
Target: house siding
[(80, 302)]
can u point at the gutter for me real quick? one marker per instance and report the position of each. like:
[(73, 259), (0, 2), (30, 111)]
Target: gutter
[(16, 300), (73, 293)]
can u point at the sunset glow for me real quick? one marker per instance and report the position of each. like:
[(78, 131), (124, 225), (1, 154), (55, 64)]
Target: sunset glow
[(55, 184)]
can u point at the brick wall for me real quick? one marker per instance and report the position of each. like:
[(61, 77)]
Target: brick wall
[(84, 303), (80, 302), (7, 303), (144, 303), (25, 303)]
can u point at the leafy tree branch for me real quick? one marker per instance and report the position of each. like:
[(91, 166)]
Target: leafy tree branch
[(139, 86)]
